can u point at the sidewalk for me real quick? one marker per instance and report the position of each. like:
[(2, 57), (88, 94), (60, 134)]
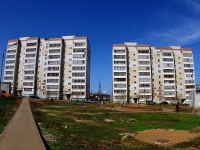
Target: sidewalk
[(21, 133)]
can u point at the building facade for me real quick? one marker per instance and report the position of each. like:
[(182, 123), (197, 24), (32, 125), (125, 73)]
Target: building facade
[(144, 73), (55, 68)]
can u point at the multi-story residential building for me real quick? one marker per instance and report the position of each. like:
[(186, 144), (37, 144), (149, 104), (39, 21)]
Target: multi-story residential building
[(144, 73), (57, 68)]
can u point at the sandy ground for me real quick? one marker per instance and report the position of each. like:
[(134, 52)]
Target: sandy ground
[(174, 136)]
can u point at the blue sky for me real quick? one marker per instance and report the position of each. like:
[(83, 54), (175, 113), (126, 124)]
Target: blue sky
[(105, 22)]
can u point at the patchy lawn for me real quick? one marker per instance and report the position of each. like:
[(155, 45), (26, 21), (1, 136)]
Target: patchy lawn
[(88, 126)]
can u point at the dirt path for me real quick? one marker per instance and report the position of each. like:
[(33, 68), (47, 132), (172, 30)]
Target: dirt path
[(174, 136)]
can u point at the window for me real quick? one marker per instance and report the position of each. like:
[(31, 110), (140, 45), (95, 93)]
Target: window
[(159, 71), (134, 87), (44, 75), (45, 58), (45, 69), (134, 76), (158, 60), (133, 59), (134, 70), (45, 63), (44, 81), (134, 81), (180, 83), (158, 55), (69, 83)]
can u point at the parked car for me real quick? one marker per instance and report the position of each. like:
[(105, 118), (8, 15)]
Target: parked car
[(186, 102), (163, 103), (174, 102), (150, 103), (92, 100), (34, 96)]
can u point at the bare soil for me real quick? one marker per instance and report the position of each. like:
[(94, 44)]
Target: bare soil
[(174, 136)]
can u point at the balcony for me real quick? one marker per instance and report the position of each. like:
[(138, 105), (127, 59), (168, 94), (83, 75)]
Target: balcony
[(169, 93), (52, 81), (120, 68), (78, 68), (190, 87), (121, 92), (169, 87), (119, 73), (78, 56), (143, 51), (78, 74), (145, 80), (187, 60), (29, 78), (10, 61), (10, 56), (9, 67), (188, 65), (11, 51), (53, 62), (54, 51), (144, 73), (50, 87), (78, 81), (168, 60), (169, 82), (31, 50), (144, 63), (119, 57), (8, 78), (188, 70), (144, 92), (79, 50), (28, 84), (144, 86), (9, 72), (54, 57), (78, 87), (29, 61), (171, 66), (187, 54), (28, 73), (119, 85), (29, 67), (169, 76), (53, 68), (80, 44), (31, 44), (30, 56), (78, 62), (167, 54), (52, 74), (13, 46), (120, 62), (168, 71), (119, 51), (119, 79), (143, 57), (189, 82)]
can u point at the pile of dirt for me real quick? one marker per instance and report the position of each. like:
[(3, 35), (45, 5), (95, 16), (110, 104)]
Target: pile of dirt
[(174, 136)]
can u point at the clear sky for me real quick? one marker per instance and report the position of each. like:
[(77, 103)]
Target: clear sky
[(159, 23)]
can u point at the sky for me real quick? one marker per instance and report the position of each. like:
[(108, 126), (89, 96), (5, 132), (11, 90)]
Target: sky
[(160, 23)]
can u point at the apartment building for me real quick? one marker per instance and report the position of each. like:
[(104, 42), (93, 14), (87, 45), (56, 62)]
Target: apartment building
[(56, 68), (144, 73)]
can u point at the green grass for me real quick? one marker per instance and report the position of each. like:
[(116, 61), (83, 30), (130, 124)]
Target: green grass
[(6, 113), (4, 101), (87, 129)]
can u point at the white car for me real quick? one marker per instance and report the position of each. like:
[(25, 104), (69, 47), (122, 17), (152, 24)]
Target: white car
[(186, 102)]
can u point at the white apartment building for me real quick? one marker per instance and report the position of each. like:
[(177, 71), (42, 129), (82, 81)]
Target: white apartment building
[(144, 73), (56, 68)]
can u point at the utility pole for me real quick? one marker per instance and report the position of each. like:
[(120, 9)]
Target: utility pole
[(99, 88), (193, 94)]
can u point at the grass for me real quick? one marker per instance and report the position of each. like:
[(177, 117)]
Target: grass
[(6, 113), (4, 101), (76, 126)]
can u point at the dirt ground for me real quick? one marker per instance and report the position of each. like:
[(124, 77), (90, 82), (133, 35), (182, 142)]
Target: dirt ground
[(174, 136)]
